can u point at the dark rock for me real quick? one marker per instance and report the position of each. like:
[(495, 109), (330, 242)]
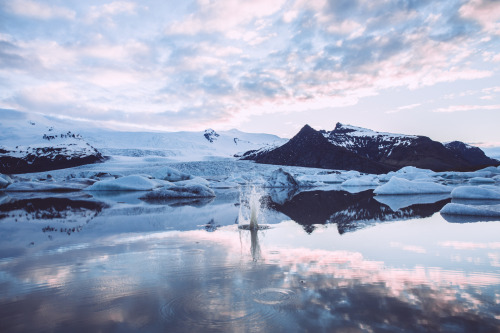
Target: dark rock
[(309, 148)]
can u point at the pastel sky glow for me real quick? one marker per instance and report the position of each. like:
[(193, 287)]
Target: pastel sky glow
[(407, 66)]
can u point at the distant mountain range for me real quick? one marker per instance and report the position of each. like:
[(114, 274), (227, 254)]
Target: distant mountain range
[(354, 148), (34, 143)]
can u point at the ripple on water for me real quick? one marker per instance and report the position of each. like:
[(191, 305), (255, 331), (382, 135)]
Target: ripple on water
[(218, 308), (274, 296)]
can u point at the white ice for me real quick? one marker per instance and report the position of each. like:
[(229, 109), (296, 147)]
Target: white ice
[(471, 210), (403, 186), (127, 183), (476, 192)]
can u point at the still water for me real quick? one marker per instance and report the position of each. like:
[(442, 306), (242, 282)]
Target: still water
[(327, 261)]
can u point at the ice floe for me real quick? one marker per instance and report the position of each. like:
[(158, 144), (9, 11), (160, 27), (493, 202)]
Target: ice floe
[(476, 192), (186, 191), (368, 180), (281, 178), (471, 210), (397, 202), (127, 183), (171, 174), (481, 180), (403, 186), (409, 173), (46, 186)]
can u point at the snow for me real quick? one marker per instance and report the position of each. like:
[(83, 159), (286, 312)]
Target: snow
[(403, 186), (481, 180), (281, 178), (127, 183), (476, 192), (186, 191), (170, 174), (367, 180), (471, 210)]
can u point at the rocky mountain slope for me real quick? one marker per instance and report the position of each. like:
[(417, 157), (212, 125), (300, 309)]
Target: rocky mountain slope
[(309, 148), (354, 148)]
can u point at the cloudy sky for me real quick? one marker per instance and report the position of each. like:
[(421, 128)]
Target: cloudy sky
[(410, 66)]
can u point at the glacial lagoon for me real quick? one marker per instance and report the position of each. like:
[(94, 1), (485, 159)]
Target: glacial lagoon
[(326, 261)]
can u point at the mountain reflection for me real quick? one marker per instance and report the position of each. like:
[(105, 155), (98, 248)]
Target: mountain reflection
[(54, 214), (349, 211)]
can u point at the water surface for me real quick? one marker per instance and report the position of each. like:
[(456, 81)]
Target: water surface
[(329, 261)]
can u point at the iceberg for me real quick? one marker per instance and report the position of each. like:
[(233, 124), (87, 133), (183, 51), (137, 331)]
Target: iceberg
[(476, 192), (403, 186), (471, 210), (481, 180), (171, 174), (281, 178), (127, 183), (362, 181), (186, 191)]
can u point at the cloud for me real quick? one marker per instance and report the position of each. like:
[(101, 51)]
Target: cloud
[(484, 12), (39, 10), (110, 9), (223, 16), (458, 108)]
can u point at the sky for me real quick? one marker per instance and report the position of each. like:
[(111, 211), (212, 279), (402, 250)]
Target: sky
[(411, 66)]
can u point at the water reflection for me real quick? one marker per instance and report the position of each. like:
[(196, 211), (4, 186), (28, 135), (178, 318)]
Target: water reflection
[(239, 281), (53, 214), (352, 211)]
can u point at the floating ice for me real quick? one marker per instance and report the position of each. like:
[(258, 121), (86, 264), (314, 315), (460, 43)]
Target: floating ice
[(397, 202), (362, 181), (281, 178), (28, 186), (481, 180), (402, 186), (3, 182), (471, 210), (127, 183), (171, 174), (409, 173), (186, 191), (476, 192)]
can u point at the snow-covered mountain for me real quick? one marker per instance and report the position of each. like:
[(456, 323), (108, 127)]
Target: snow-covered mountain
[(31, 142), (401, 150), (354, 148)]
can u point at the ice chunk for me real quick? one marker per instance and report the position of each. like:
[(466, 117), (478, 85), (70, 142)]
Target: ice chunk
[(481, 180), (193, 181), (471, 210), (3, 183), (327, 179), (362, 181), (127, 183), (171, 174), (281, 178), (187, 191), (396, 202), (29, 186), (475, 192), (410, 173), (403, 186), (224, 184)]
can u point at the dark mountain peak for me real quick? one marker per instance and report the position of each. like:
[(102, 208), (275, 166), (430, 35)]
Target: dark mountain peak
[(210, 135), (306, 130)]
